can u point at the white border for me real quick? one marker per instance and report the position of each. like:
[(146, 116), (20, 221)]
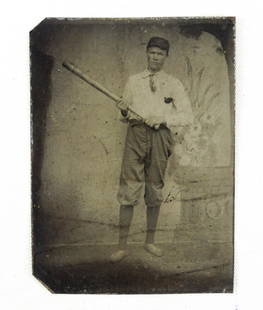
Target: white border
[(19, 290)]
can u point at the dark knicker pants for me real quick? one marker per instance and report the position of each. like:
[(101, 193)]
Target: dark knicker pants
[(144, 163)]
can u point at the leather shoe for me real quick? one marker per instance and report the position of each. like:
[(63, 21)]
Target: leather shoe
[(154, 250), (118, 256)]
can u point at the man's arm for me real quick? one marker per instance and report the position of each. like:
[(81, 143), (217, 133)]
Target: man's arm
[(126, 102)]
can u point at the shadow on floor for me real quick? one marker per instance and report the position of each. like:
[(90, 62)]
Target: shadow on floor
[(88, 270)]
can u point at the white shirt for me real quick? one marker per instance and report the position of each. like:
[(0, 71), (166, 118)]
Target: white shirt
[(145, 102)]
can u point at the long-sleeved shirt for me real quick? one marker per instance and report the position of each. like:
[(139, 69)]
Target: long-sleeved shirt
[(176, 111)]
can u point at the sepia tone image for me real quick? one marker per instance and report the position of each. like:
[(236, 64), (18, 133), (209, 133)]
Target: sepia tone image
[(132, 127)]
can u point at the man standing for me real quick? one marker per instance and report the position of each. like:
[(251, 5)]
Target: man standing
[(163, 103)]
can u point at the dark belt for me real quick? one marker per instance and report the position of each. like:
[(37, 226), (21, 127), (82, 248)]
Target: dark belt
[(135, 122)]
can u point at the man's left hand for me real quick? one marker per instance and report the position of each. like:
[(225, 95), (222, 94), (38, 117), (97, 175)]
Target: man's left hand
[(154, 122)]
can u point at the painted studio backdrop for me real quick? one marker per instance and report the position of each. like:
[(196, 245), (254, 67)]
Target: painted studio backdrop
[(78, 137)]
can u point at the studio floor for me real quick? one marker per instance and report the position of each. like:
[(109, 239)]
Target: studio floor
[(184, 268)]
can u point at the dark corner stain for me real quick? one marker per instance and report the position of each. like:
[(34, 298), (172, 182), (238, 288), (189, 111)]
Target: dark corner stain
[(41, 66), (221, 28), (126, 278), (220, 51), (191, 31)]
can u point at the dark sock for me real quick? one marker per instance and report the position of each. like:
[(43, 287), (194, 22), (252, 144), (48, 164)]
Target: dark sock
[(152, 218), (126, 214)]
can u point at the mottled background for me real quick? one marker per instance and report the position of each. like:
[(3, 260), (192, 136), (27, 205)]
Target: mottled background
[(78, 137)]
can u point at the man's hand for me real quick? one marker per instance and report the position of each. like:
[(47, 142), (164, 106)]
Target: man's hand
[(122, 105), (154, 122)]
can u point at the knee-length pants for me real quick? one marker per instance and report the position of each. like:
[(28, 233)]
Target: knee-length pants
[(144, 163)]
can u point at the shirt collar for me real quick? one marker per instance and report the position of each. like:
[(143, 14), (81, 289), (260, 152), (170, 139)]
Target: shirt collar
[(147, 73)]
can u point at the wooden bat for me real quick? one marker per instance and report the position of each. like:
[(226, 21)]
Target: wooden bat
[(72, 68)]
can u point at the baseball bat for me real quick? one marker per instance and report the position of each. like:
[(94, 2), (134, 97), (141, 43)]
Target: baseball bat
[(72, 68)]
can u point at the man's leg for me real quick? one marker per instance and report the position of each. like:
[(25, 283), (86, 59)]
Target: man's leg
[(153, 199), (154, 183), (126, 214), (131, 184), (152, 219)]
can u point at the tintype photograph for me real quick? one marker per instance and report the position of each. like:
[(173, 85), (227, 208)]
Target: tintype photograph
[(132, 147)]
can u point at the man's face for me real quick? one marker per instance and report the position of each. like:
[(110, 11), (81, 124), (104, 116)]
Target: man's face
[(156, 58)]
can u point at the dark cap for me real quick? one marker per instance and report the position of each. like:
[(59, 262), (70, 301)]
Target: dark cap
[(162, 43)]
